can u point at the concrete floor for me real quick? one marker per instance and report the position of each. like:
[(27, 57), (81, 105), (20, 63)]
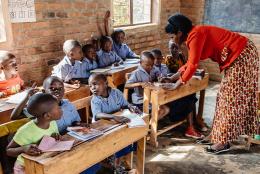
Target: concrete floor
[(180, 155)]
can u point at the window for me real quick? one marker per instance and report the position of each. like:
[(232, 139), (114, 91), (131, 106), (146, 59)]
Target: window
[(2, 24), (132, 12)]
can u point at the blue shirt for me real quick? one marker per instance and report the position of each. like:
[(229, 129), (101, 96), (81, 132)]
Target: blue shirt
[(87, 66), (66, 71), (70, 115), (123, 51), (162, 69), (140, 75), (113, 103), (107, 58)]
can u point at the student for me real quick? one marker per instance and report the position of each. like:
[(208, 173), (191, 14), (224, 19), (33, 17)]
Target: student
[(52, 85), (10, 81), (107, 101), (45, 109), (71, 66), (106, 56), (158, 58), (121, 48), (182, 108), (142, 76)]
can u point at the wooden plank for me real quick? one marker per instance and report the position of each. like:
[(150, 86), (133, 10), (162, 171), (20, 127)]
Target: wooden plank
[(147, 99), (192, 86), (85, 155), (169, 127), (12, 126), (140, 155), (75, 94), (84, 103), (154, 117), (1, 169)]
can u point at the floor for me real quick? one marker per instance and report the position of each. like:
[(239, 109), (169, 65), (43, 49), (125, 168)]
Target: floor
[(180, 155)]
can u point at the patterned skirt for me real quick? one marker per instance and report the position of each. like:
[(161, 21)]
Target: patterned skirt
[(236, 107)]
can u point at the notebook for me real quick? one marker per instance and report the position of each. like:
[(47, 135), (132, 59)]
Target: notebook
[(17, 98), (49, 144), (100, 70), (135, 119), (83, 133)]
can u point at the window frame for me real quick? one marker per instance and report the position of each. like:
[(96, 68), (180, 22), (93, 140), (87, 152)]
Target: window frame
[(131, 16)]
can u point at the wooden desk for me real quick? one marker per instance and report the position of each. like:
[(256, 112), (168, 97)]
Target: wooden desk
[(159, 96), (71, 94), (116, 77), (86, 154)]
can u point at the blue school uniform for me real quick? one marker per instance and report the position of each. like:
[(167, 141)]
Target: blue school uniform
[(123, 51), (107, 58), (87, 66), (140, 75), (70, 115), (66, 71), (113, 103), (162, 69)]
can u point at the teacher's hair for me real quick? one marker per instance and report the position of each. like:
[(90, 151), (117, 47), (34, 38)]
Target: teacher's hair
[(178, 22)]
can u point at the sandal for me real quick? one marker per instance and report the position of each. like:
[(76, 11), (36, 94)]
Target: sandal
[(217, 151)]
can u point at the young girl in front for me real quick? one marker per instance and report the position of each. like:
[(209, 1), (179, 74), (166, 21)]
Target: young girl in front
[(45, 109)]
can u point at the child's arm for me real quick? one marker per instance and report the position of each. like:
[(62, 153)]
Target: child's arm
[(13, 149), (134, 85), (17, 112)]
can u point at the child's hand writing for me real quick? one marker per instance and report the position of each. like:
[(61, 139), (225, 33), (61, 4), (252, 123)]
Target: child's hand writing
[(134, 109), (56, 136), (32, 150), (121, 119)]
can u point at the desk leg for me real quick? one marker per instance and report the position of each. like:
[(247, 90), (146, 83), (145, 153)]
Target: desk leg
[(200, 120), (140, 155), (147, 99), (32, 167), (154, 121)]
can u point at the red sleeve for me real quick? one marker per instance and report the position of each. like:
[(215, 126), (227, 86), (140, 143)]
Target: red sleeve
[(195, 44)]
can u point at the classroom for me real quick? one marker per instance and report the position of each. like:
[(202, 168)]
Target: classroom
[(129, 86)]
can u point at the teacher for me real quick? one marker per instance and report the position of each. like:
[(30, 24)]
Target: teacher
[(236, 107)]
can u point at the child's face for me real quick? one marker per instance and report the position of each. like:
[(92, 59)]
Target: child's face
[(10, 66), (97, 86), (76, 53), (56, 89), (107, 46), (147, 64), (55, 113), (120, 38), (90, 54), (158, 60)]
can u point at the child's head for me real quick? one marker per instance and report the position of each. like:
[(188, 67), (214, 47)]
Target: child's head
[(158, 57), (106, 43), (44, 106), (147, 61), (72, 49), (89, 51), (98, 84), (8, 63), (53, 85), (118, 36), (174, 50)]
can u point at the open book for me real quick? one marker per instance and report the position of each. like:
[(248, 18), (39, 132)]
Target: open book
[(104, 125), (49, 144), (135, 119), (83, 133)]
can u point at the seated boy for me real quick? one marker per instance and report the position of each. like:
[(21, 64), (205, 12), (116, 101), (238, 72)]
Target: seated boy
[(142, 76), (107, 101), (121, 48), (158, 58), (45, 109), (106, 56), (10, 81), (54, 86), (71, 68)]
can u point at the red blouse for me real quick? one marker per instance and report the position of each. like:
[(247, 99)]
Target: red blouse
[(203, 42), (11, 86)]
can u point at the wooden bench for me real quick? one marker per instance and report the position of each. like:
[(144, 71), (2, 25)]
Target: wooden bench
[(86, 154), (159, 96), (70, 94)]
